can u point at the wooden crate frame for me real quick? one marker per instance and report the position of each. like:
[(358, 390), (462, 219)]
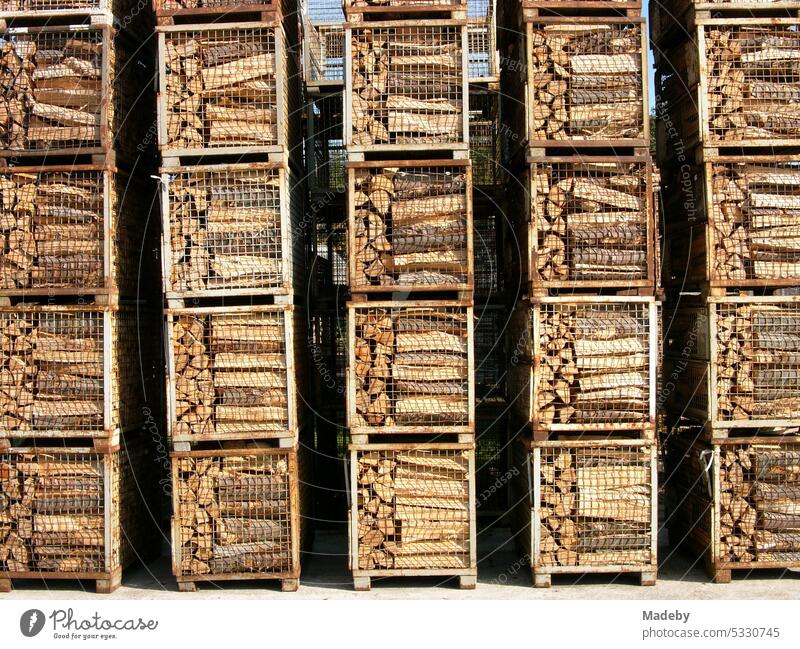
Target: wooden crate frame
[(459, 144), (286, 88), (355, 279), (525, 363), (357, 429), (289, 578), (228, 11), (528, 230), (362, 577), (128, 484), (121, 231), (119, 330), (99, 11), (295, 346), (358, 11), (529, 517), (287, 252), (641, 140)]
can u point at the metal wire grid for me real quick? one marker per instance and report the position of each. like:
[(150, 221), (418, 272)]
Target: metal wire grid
[(492, 474), (52, 509), (234, 514), (326, 152), (221, 87), (756, 220), (585, 84), (413, 509), (325, 45), (330, 263), (324, 11), (52, 372), (51, 85), (481, 39), (407, 85), (594, 363), (595, 506), (484, 138), (225, 228), (490, 358), (753, 82), (488, 279), (230, 374), (411, 367), (757, 354), (410, 226), (592, 221)]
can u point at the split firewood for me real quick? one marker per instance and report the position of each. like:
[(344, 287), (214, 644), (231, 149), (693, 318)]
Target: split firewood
[(756, 212), (753, 90), (233, 514), (407, 85), (410, 227), (592, 221), (586, 82), (411, 367), (225, 229), (596, 506), (414, 509), (221, 89)]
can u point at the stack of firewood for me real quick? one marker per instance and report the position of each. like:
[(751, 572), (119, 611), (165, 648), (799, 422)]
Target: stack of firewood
[(733, 240)]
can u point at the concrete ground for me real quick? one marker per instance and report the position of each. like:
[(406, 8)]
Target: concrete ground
[(501, 575)]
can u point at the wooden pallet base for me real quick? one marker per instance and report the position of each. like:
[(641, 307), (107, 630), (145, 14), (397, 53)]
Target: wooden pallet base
[(417, 13), (466, 581), (464, 297), (191, 584), (31, 18), (646, 432), (186, 301), (543, 578), (185, 444), (562, 9), (388, 152), (536, 291), (98, 297), (188, 157), (425, 438), (231, 14), (102, 445), (55, 157), (105, 583)]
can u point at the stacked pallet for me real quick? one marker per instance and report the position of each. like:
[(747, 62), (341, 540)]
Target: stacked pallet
[(74, 206), (410, 373), (233, 262), (583, 356), (726, 140)]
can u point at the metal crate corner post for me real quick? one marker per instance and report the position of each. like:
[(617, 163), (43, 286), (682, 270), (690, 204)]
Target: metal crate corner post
[(290, 350), (471, 368), (111, 502), (286, 259), (352, 420), (472, 504), (161, 91), (351, 249), (111, 384), (348, 83), (110, 223), (465, 84), (167, 264), (653, 355), (534, 505), (713, 417)]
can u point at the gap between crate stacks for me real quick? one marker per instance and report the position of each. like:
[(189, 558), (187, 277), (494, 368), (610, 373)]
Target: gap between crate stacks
[(410, 226), (413, 512), (236, 373), (587, 507), (406, 87), (585, 365), (239, 515), (734, 503), (74, 513)]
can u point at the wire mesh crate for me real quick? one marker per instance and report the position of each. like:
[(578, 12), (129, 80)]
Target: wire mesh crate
[(72, 371), (412, 511), (585, 364), (235, 373), (484, 137), (58, 8), (406, 86), (410, 368), (410, 225), (592, 507), (589, 224), (487, 233), (227, 89), (323, 52), (75, 229), (484, 62), (325, 153), (236, 515), (72, 513), (70, 90), (585, 81), (322, 12), (490, 353), (232, 229)]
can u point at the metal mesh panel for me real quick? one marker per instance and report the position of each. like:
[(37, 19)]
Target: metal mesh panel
[(326, 154), (753, 82), (484, 138), (413, 509), (407, 85), (410, 226), (411, 367), (594, 362), (52, 519), (225, 228), (52, 372), (331, 53), (756, 356), (596, 506), (585, 84), (230, 373), (324, 11), (488, 279), (756, 220), (221, 88), (592, 221), (490, 357), (234, 514), (481, 38)]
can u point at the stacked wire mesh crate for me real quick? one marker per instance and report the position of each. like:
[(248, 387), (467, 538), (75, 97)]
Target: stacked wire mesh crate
[(74, 210), (726, 79), (410, 382), (583, 339), (229, 134)]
